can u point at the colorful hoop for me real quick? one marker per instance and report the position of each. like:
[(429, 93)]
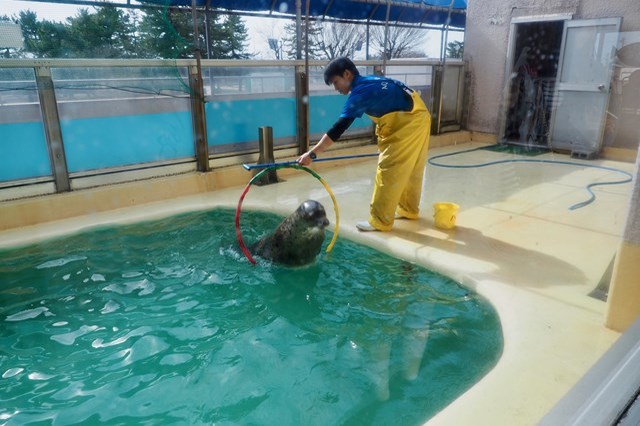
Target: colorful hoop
[(243, 247)]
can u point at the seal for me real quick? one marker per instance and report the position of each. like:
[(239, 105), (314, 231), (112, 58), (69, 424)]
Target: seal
[(299, 237)]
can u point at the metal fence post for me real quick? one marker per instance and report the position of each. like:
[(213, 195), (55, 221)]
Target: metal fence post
[(53, 133), (436, 96), (198, 118), (302, 110), (265, 135)]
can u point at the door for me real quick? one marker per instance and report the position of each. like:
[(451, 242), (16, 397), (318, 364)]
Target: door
[(532, 69), (583, 85)]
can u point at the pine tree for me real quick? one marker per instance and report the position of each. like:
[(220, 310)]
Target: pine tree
[(236, 36), (43, 38), (155, 33), (455, 49), (103, 34), (167, 34)]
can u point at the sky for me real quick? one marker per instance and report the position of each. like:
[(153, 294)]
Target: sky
[(259, 29)]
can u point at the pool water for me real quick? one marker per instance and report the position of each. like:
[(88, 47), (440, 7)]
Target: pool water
[(166, 322)]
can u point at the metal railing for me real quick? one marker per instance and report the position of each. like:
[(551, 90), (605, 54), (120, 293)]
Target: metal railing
[(62, 121)]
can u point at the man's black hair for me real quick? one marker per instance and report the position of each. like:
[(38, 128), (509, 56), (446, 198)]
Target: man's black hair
[(337, 67)]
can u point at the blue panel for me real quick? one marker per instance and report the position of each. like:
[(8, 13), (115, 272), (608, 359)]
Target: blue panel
[(96, 143), (325, 110), (105, 142), (238, 121), (23, 151)]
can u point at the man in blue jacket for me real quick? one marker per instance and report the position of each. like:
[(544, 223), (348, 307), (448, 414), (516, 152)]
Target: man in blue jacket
[(402, 127)]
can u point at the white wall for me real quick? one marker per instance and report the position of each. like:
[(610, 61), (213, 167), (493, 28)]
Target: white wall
[(486, 39)]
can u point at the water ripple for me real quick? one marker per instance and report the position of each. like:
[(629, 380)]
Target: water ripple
[(145, 286), (12, 372), (70, 338), (29, 314), (60, 262)]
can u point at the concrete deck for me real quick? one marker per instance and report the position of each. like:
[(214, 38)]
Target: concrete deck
[(516, 243)]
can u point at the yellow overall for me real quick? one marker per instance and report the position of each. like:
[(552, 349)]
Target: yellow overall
[(403, 141)]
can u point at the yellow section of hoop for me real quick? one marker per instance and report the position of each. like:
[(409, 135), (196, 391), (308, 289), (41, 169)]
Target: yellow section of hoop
[(335, 208), (315, 175)]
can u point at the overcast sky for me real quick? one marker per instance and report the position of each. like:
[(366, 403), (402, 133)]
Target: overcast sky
[(260, 29)]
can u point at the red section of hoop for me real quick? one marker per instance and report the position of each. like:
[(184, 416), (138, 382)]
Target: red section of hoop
[(243, 247)]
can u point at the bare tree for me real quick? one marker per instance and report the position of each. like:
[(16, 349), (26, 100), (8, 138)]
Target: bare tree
[(340, 39), (327, 40), (271, 32), (401, 41)]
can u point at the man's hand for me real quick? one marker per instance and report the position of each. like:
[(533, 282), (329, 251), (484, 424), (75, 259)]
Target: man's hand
[(305, 159)]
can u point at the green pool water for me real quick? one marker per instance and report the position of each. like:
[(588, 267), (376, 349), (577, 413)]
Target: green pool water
[(166, 322)]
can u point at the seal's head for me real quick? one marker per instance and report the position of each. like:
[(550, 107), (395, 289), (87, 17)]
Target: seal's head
[(312, 212), (299, 237)]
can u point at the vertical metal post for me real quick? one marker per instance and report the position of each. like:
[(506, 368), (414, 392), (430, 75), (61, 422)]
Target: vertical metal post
[(438, 85), (366, 51), (265, 136), (207, 28), (196, 85), (386, 40), (53, 133), (302, 110), (198, 118), (299, 29), (446, 34), (437, 80)]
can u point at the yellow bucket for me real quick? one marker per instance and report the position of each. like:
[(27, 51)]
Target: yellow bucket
[(444, 215)]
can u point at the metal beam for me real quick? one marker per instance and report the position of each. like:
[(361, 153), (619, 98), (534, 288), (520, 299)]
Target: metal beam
[(198, 118), (412, 5), (326, 9), (270, 13), (53, 133), (302, 110), (299, 29)]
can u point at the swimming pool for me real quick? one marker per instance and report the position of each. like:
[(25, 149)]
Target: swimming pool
[(166, 322)]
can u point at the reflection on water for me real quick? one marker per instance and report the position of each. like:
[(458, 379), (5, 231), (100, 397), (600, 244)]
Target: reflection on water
[(167, 321)]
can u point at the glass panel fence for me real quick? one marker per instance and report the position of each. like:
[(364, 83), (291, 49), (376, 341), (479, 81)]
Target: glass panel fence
[(240, 100), (125, 116), (418, 77), (23, 147), (451, 93), (121, 116), (325, 106)]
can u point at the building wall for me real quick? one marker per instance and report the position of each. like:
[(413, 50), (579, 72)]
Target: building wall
[(486, 40), (624, 294)]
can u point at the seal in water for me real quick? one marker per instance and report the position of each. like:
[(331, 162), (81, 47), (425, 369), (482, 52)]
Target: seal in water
[(299, 237)]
